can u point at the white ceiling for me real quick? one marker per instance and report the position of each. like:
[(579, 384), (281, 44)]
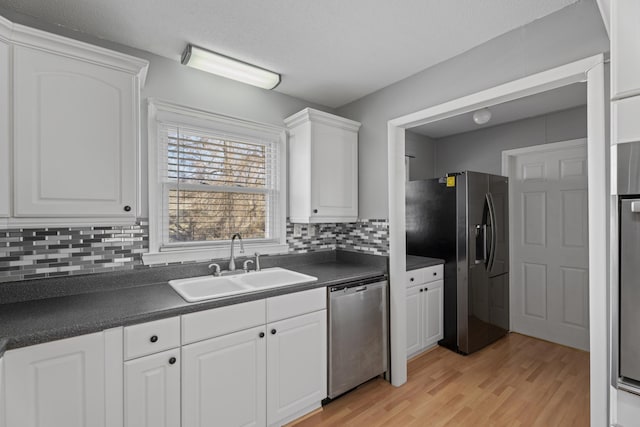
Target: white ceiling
[(330, 52), (559, 99)]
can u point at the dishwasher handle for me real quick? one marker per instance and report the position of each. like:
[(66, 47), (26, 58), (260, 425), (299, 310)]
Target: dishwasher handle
[(340, 290)]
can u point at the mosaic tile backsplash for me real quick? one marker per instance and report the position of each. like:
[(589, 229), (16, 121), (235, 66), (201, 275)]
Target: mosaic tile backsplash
[(366, 235), (33, 253)]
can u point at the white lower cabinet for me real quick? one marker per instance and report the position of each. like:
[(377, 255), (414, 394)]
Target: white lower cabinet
[(152, 390), (259, 363), (60, 383), (424, 309), (224, 380), (296, 366), (414, 321)]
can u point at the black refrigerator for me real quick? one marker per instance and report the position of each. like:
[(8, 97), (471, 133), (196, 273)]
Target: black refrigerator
[(463, 218)]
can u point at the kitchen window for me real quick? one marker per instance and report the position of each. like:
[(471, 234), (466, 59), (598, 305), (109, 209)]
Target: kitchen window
[(211, 176)]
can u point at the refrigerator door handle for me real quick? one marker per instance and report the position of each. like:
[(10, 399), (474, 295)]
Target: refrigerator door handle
[(494, 233)]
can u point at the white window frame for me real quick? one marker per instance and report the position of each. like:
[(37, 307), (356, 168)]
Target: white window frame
[(161, 111)]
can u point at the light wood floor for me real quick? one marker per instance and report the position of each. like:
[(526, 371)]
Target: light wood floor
[(517, 381)]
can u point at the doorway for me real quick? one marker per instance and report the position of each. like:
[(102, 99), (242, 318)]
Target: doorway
[(548, 199), (590, 70)]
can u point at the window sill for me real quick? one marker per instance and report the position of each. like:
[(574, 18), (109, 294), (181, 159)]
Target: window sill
[(211, 253)]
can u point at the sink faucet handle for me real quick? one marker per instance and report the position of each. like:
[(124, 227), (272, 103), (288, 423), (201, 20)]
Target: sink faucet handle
[(245, 266), (257, 254), (216, 269)]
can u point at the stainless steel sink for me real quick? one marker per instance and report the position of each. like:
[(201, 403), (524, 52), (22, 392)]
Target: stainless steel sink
[(211, 287)]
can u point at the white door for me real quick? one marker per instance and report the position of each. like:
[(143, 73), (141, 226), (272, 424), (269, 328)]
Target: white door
[(296, 365), (57, 384), (152, 390), (549, 229), (224, 380)]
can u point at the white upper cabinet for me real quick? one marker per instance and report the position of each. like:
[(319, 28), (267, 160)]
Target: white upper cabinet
[(323, 167), (625, 48), (5, 126), (75, 118)]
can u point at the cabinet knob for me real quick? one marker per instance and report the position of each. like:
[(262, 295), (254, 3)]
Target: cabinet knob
[(261, 335), (154, 338), (435, 273), (315, 211), (273, 332), (172, 361), (411, 280), (426, 289), (421, 290), (127, 208)]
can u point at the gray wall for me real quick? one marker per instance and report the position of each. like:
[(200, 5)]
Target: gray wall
[(481, 150), (169, 80), (423, 163), (570, 34)]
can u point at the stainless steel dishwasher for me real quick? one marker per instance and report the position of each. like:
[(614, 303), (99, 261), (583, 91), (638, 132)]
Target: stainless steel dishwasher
[(358, 321)]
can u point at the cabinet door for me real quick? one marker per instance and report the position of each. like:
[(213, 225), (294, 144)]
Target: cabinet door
[(334, 173), (74, 137), (224, 380), (2, 410), (57, 384), (296, 365), (414, 320), (432, 313), (625, 48), (5, 130), (152, 390)]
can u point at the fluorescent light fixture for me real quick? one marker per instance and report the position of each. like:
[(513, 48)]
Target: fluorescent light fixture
[(482, 116), (224, 66)]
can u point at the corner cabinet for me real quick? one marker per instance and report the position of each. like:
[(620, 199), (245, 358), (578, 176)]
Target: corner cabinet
[(424, 308), (75, 127), (65, 383), (323, 167)]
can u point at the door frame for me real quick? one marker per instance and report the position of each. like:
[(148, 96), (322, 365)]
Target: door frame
[(592, 71), (507, 170)]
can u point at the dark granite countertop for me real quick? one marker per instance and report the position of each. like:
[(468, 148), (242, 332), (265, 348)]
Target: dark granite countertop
[(94, 303), (416, 262)]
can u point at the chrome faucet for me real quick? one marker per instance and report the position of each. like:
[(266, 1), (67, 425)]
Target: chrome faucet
[(232, 259)]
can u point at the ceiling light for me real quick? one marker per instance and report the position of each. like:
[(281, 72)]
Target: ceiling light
[(482, 116), (214, 63)]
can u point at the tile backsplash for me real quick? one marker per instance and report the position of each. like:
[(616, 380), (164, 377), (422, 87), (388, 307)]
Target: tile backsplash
[(366, 235), (32, 253)]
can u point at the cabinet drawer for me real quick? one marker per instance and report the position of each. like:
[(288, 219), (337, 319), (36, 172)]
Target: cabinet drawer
[(626, 120), (151, 337), (435, 272), (221, 321), (415, 277), (424, 275), (295, 304)]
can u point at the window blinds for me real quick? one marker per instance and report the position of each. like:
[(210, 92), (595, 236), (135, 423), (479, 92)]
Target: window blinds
[(215, 185)]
